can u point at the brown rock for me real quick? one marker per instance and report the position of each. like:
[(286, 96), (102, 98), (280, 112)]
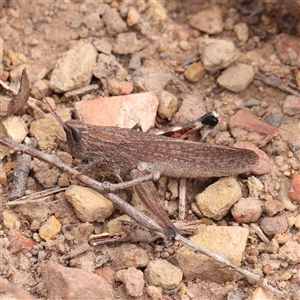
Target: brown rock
[(127, 43), (288, 49), (128, 255), (133, 280), (290, 252), (245, 127), (273, 207), (119, 88), (73, 283), (294, 194), (49, 229), (274, 225), (291, 105), (247, 210), (194, 72), (107, 273), (208, 20), (17, 242)]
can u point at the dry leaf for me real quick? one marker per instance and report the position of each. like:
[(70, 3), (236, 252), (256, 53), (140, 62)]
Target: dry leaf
[(20, 100)]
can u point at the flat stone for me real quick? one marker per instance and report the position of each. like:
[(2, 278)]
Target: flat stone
[(127, 43), (113, 21), (208, 20), (120, 111), (217, 199), (217, 54), (194, 72), (274, 225), (62, 283), (230, 242), (151, 78), (133, 280), (119, 88), (290, 252), (103, 45), (74, 69), (245, 127), (247, 210), (128, 255), (107, 67), (273, 207), (89, 205), (291, 105), (18, 242), (49, 229), (236, 78), (45, 174), (14, 128), (161, 273)]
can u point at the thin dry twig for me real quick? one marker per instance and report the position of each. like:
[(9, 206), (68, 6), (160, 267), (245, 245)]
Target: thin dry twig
[(133, 212), (182, 197), (35, 197)]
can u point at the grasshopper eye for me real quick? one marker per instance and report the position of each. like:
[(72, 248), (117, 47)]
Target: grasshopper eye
[(76, 134)]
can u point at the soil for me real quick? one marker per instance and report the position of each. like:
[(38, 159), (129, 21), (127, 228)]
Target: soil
[(39, 33)]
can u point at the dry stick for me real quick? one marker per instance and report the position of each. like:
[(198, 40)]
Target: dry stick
[(182, 197), (36, 197), (21, 172), (133, 212)]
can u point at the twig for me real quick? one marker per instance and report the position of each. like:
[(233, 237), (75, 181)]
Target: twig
[(133, 212), (35, 197), (79, 250), (182, 196), (260, 233), (21, 172)]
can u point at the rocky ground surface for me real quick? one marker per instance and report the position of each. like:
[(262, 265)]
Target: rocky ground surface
[(155, 63)]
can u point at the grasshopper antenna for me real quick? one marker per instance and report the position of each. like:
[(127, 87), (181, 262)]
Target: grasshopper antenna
[(57, 117)]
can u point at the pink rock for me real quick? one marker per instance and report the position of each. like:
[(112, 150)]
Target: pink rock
[(17, 242), (274, 225), (273, 207), (291, 105), (288, 49), (72, 283), (134, 282), (263, 166), (245, 127), (119, 88), (120, 111), (246, 210), (107, 273), (294, 194)]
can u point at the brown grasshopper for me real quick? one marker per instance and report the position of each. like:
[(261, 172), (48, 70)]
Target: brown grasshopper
[(124, 149)]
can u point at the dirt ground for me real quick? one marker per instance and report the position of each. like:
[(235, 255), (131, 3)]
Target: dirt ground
[(35, 34)]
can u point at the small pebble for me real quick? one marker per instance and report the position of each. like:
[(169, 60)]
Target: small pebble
[(194, 72), (242, 31)]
